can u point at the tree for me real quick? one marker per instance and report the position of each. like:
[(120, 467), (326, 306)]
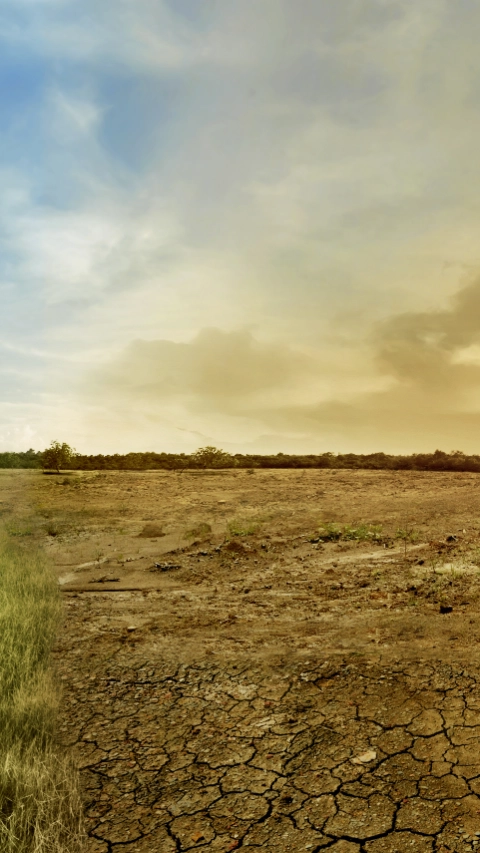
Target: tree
[(212, 457), (58, 456)]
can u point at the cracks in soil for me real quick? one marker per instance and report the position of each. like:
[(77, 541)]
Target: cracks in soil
[(335, 756)]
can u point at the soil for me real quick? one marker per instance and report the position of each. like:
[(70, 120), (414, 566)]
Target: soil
[(232, 680)]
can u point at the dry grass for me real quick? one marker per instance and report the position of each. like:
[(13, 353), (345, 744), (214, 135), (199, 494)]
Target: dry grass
[(40, 808)]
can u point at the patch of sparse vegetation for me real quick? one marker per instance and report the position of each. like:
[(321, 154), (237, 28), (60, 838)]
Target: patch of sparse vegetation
[(330, 532), (17, 528), (40, 805)]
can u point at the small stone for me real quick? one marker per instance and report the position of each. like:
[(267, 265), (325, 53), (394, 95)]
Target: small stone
[(365, 758), (197, 836)]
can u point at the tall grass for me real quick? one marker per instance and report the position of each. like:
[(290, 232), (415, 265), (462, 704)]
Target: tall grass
[(40, 804)]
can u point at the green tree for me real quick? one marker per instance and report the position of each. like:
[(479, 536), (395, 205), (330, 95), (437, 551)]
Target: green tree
[(58, 456), (212, 457)]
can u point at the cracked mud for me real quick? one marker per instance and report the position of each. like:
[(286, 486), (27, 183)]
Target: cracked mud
[(333, 755), (262, 689)]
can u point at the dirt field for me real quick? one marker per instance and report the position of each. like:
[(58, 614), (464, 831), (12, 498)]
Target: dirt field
[(231, 681)]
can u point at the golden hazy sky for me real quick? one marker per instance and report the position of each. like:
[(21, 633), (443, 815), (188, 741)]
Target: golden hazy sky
[(248, 223)]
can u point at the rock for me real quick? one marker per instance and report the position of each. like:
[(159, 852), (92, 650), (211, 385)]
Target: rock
[(365, 758), (165, 567)]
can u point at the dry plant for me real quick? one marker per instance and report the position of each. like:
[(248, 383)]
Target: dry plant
[(40, 804), (408, 533)]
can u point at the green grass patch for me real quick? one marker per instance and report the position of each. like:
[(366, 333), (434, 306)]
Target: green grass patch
[(16, 528), (330, 532), (40, 805)]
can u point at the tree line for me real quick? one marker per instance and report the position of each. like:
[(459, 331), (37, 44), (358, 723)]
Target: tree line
[(60, 456)]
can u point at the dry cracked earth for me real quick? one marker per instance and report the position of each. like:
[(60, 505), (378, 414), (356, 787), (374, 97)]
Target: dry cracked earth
[(334, 755), (231, 681)]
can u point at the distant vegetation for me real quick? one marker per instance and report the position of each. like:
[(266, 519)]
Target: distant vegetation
[(62, 456), (29, 459)]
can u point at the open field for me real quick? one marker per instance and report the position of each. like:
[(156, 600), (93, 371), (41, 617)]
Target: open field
[(233, 681)]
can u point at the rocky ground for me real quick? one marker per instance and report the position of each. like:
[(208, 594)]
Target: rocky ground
[(236, 677)]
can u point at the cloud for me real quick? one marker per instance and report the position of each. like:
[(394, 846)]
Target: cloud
[(432, 362), (217, 372), (427, 375), (424, 350), (182, 166)]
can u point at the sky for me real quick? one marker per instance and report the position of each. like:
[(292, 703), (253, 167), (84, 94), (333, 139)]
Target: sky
[(252, 224)]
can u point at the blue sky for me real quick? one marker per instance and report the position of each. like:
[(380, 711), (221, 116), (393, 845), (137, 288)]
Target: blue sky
[(190, 190)]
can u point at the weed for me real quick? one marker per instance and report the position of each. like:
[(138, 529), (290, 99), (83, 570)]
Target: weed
[(364, 532), (408, 534), (329, 532)]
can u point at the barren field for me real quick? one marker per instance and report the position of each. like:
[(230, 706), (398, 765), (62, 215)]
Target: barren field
[(236, 677)]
